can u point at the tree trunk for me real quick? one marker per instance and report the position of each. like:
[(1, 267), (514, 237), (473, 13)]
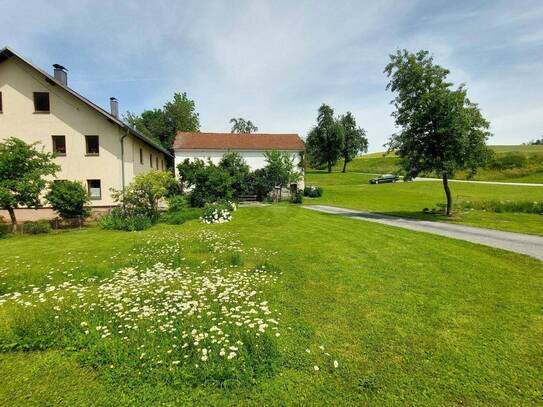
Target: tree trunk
[(344, 166), (329, 166), (448, 194), (13, 219)]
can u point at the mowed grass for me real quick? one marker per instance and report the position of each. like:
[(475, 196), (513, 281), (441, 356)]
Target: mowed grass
[(410, 318), (352, 190), (381, 163)]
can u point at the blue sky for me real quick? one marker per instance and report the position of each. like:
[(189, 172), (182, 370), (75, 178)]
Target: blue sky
[(276, 62)]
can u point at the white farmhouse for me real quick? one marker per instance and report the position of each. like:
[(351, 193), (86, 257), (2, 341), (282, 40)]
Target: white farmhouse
[(250, 146)]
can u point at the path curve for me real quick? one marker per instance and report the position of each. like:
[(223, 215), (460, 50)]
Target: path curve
[(514, 242)]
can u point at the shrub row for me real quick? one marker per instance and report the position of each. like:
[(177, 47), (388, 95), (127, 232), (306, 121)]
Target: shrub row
[(504, 206)]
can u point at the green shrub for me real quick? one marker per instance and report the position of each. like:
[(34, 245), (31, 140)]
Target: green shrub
[(117, 220), (177, 203), (313, 191), (69, 199), (37, 227), (296, 198), (504, 206), (508, 161), (142, 196), (180, 217), (212, 184)]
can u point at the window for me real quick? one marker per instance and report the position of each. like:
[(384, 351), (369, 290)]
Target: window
[(156, 162), (59, 145), (151, 160), (1, 110), (162, 165), (141, 156), (41, 102), (95, 188), (93, 145)]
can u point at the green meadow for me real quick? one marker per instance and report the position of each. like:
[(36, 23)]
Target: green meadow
[(365, 314), (352, 190)]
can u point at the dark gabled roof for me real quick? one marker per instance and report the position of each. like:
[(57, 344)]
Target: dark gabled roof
[(227, 141), (6, 53)]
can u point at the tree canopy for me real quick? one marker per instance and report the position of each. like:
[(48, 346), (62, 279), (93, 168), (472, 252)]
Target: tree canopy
[(240, 125), (22, 175), (325, 141), (442, 131), (354, 139), (163, 124)]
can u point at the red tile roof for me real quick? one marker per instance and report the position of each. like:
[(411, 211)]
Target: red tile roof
[(229, 141)]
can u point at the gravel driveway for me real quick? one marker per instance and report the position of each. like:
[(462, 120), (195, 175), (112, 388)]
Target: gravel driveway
[(514, 242)]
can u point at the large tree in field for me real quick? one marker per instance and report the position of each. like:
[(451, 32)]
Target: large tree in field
[(442, 131), (354, 139), (163, 124), (22, 175), (325, 141), (240, 125)]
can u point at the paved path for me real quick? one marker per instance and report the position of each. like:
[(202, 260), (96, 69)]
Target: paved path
[(514, 242), (516, 184)]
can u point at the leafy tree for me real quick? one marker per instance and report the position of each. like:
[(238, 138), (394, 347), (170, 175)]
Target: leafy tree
[(355, 140), (163, 124), (237, 168), (442, 131), (142, 196), (211, 184), (187, 170), (22, 172), (260, 183), (280, 169), (240, 125), (325, 141), (69, 199)]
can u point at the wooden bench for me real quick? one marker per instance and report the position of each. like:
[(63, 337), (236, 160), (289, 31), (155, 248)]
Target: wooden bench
[(247, 198)]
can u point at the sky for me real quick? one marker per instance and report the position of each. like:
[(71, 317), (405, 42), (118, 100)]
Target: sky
[(276, 62)]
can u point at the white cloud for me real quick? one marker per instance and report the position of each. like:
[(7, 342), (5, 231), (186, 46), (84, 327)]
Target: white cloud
[(276, 62)]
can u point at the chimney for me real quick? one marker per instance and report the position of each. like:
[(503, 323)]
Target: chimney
[(61, 74), (114, 103)]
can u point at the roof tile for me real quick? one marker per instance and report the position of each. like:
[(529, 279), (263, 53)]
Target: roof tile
[(227, 141)]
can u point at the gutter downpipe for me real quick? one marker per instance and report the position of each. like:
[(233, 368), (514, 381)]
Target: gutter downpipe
[(122, 162)]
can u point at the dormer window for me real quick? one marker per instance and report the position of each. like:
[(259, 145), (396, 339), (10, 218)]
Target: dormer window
[(41, 102)]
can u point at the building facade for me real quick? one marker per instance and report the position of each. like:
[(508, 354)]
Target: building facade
[(251, 147), (92, 146)]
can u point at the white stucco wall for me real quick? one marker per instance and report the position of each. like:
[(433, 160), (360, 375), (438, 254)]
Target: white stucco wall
[(73, 119), (254, 158)]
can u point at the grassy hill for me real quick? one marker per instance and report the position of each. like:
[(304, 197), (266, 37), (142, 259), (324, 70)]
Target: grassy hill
[(512, 163)]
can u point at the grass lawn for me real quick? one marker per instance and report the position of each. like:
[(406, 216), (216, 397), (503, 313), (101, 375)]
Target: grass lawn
[(351, 190), (378, 163), (409, 317)]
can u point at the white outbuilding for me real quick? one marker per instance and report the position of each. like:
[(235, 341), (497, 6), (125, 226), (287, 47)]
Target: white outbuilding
[(250, 146)]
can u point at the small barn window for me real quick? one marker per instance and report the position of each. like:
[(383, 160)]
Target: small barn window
[(95, 189), (162, 165), (41, 102), (156, 162), (93, 145), (1, 108), (59, 145), (141, 156), (151, 160)]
